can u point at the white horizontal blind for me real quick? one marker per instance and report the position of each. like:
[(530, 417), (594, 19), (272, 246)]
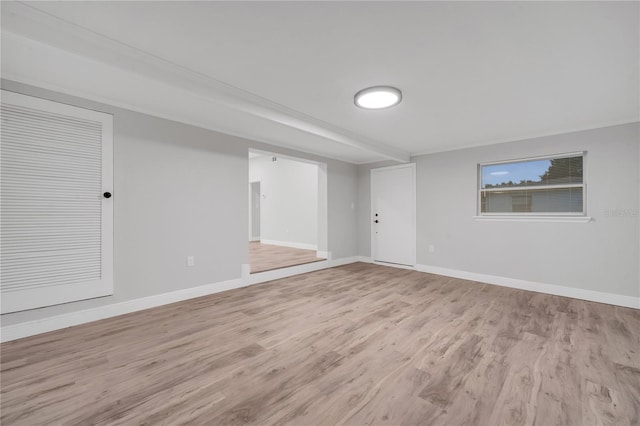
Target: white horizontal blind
[(56, 226)]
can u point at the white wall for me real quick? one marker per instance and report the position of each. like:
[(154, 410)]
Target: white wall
[(602, 255), (181, 190), (254, 210), (289, 200)]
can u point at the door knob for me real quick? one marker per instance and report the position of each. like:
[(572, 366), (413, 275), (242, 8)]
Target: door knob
[(107, 195), (375, 221)]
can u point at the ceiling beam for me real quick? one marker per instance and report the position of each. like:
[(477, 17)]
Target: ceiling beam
[(26, 20)]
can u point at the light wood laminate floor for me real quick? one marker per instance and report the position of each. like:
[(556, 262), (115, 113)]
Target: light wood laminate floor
[(266, 257), (354, 345)]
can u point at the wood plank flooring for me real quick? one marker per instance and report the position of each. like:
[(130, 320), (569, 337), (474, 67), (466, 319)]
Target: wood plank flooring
[(354, 345), (266, 257)]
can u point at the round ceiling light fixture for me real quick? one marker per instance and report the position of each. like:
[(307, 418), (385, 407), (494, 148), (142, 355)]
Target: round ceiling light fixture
[(378, 97)]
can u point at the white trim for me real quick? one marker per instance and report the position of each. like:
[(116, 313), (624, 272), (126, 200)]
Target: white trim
[(324, 254), (393, 265), (532, 218), (397, 166), (536, 158), (497, 190), (12, 97), (322, 215), (254, 238), (558, 290), (245, 270), (57, 322), (299, 269), (31, 328), (24, 298), (532, 188), (303, 246), (264, 153)]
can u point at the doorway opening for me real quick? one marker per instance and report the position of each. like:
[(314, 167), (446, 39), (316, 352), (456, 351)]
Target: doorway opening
[(287, 211)]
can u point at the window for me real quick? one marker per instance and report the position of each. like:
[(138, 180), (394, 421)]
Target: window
[(552, 185)]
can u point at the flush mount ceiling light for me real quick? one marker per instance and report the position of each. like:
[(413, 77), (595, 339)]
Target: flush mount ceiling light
[(378, 97)]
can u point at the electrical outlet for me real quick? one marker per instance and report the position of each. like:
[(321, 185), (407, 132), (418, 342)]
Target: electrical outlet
[(191, 261), (432, 248)]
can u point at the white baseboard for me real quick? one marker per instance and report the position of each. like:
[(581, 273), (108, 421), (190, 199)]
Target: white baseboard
[(393, 265), (298, 269), (245, 271), (292, 245), (324, 254), (31, 328), (558, 290)]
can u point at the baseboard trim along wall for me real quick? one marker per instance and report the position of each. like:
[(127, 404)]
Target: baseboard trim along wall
[(303, 246), (558, 290), (276, 274), (324, 254), (31, 328)]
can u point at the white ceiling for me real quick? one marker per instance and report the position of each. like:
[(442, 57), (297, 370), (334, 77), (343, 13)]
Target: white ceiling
[(472, 73)]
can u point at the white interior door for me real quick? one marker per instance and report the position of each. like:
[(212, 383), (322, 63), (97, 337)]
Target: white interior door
[(393, 228), (56, 208)]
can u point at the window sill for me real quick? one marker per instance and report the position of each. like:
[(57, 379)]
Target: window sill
[(498, 218)]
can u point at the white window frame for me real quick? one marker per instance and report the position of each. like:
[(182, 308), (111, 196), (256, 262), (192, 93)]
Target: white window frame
[(536, 216)]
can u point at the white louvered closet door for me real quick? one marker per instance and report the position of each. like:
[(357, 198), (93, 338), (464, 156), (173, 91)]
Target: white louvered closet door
[(56, 223)]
